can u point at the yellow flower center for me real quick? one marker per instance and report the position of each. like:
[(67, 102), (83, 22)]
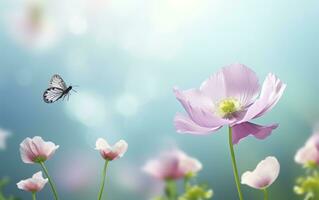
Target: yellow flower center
[(227, 107)]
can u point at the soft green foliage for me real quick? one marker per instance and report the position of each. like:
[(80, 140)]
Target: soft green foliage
[(159, 198), (308, 185), (3, 183), (171, 189), (191, 191), (197, 192)]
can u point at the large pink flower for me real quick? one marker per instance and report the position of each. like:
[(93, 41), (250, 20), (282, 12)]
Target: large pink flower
[(109, 152), (309, 153), (34, 184), (36, 150), (172, 165), (229, 97), (264, 175)]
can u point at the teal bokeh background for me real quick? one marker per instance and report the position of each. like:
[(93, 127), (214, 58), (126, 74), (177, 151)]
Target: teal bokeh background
[(126, 59)]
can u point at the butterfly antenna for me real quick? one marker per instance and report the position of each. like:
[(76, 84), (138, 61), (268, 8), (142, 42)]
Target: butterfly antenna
[(75, 86), (74, 91)]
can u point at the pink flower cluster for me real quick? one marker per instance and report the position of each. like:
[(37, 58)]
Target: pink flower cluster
[(37, 151)]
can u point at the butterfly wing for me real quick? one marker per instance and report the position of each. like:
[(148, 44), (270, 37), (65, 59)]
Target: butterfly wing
[(57, 82), (52, 94)]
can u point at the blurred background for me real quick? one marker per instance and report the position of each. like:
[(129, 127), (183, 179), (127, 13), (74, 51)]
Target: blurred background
[(126, 56)]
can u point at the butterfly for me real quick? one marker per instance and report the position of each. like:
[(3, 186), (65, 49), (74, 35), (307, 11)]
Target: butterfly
[(57, 89)]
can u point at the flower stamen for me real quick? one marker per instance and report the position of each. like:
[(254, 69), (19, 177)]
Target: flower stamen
[(227, 107)]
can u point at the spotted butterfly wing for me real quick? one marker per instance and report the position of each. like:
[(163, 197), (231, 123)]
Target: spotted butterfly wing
[(57, 82), (52, 94), (57, 89)]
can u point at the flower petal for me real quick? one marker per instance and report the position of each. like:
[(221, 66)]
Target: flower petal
[(102, 144), (306, 154), (32, 149), (183, 124), (26, 154), (242, 130), (271, 92), (120, 148), (264, 175), (111, 152), (189, 164), (233, 81), (37, 175), (173, 164), (153, 168), (199, 108), (313, 141), (46, 149), (34, 184)]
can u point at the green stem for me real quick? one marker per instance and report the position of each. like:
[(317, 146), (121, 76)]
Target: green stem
[(187, 179), (171, 190), (103, 180), (233, 158), (186, 183), (50, 181), (33, 196), (265, 194), (1, 196)]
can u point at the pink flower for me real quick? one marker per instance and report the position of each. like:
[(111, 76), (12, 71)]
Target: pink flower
[(34, 184), (109, 152), (264, 175), (229, 97), (36, 150), (309, 153), (172, 165)]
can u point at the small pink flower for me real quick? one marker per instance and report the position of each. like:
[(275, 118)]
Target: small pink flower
[(109, 152), (264, 175), (172, 165), (34, 184), (309, 153), (229, 98), (36, 150)]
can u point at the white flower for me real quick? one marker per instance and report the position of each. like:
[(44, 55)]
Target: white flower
[(264, 175)]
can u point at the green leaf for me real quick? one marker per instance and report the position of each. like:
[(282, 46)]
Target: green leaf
[(197, 192), (159, 198), (4, 182), (308, 186)]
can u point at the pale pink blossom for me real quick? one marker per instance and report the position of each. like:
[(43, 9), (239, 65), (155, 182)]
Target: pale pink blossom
[(231, 97), (173, 164), (309, 153), (34, 184), (264, 175), (36, 150), (109, 152)]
